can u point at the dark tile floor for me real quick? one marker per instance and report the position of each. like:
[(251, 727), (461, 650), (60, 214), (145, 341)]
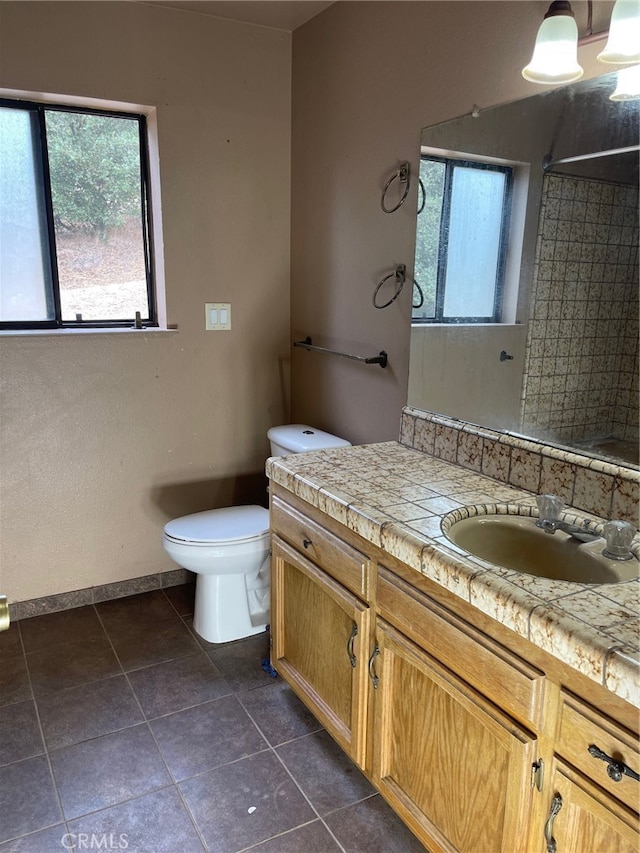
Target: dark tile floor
[(121, 729)]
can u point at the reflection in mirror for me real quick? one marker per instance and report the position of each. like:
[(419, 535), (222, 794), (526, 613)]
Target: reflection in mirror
[(554, 252)]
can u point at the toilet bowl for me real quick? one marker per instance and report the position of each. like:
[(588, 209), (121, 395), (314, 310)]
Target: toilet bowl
[(228, 549)]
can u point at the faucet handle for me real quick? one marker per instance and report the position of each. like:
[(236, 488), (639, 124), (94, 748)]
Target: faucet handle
[(549, 507), (619, 536)]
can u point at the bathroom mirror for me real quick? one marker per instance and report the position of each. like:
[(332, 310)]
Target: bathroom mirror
[(561, 364)]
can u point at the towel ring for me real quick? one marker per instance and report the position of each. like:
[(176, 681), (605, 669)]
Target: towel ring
[(402, 174), (417, 287), (399, 273), (422, 190)]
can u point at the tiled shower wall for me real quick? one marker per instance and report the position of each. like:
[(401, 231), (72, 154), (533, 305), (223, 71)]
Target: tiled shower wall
[(581, 367)]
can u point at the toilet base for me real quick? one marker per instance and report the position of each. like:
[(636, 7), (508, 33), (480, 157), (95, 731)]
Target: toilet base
[(221, 612)]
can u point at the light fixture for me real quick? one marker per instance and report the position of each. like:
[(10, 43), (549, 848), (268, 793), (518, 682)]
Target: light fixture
[(555, 55), (623, 44), (628, 85)]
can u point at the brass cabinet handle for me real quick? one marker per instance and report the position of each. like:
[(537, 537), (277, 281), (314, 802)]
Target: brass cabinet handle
[(556, 805), (4, 613), (354, 633), (372, 675), (307, 542), (615, 769)]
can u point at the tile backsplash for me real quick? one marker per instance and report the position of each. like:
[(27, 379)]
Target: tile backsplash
[(585, 482)]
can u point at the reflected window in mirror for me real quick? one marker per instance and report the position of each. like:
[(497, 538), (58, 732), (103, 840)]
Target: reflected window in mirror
[(462, 232)]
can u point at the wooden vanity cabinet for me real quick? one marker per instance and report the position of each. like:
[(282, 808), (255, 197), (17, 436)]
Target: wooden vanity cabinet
[(455, 768), (582, 818), (593, 799), (320, 630), (473, 736)]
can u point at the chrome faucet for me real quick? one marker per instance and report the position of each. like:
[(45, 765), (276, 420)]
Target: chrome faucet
[(618, 535), (581, 533), (549, 509)]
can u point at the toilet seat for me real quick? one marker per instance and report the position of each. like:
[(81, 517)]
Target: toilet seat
[(220, 526)]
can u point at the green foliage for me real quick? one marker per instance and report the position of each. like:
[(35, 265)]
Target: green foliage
[(428, 236), (95, 170)]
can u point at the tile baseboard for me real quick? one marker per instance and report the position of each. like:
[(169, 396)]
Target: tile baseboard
[(95, 594)]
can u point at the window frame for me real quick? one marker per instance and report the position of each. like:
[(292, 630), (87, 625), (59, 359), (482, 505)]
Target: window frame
[(38, 109), (450, 164)]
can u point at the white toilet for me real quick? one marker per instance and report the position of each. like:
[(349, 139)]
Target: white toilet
[(229, 551)]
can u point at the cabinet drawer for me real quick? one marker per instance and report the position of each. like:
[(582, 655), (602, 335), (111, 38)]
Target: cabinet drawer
[(581, 727), (501, 676), (338, 559)]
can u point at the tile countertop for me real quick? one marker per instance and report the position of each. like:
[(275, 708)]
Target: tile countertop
[(396, 498)]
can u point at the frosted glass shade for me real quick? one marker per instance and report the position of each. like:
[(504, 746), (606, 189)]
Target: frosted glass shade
[(628, 85), (623, 44), (555, 55)]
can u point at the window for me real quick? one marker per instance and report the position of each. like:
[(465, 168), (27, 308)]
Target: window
[(463, 223), (75, 230)]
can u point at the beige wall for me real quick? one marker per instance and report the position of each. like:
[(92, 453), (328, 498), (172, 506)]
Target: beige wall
[(105, 437), (367, 76)]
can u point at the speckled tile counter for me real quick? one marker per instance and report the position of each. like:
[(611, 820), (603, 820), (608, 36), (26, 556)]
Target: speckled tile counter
[(396, 498)]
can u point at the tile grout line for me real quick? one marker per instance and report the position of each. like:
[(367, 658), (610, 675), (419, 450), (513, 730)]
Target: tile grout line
[(174, 783), (44, 742)]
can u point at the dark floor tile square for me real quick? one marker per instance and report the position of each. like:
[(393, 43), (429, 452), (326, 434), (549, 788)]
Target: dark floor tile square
[(14, 679), (278, 712), (312, 838), (244, 803), (324, 772), (372, 827), (27, 798), (10, 643), (206, 736), (178, 684), (154, 823), (20, 736), (241, 662), (52, 840), (143, 610), (59, 667), (108, 770), (143, 645), (67, 626), (88, 711), (182, 597)]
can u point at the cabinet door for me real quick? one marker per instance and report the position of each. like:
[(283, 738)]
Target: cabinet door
[(453, 765), (320, 635), (585, 819)]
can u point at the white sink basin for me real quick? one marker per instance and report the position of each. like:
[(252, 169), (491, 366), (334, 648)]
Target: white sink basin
[(514, 542)]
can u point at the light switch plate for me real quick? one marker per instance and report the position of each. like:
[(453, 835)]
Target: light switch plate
[(217, 316)]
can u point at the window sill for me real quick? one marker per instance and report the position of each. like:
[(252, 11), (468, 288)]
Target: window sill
[(70, 333)]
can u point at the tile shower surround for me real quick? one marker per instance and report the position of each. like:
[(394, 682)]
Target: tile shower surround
[(117, 721), (581, 369)]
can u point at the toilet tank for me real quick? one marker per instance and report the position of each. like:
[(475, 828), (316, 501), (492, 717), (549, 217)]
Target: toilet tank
[(299, 438)]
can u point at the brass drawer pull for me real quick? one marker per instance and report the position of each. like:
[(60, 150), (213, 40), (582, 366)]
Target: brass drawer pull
[(307, 542), (615, 769), (556, 805), (354, 633), (372, 675)]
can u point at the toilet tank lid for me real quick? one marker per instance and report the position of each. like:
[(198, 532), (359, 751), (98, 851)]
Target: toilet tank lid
[(299, 438), (228, 524)]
